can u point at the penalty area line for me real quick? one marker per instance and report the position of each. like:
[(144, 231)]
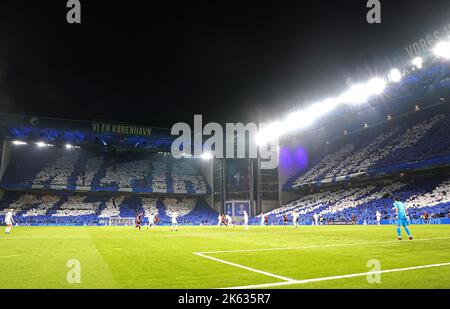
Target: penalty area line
[(277, 284), (245, 267)]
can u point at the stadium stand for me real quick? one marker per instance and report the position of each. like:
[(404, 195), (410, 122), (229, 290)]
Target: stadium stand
[(87, 209), (87, 173), (54, 185), (72, 168), (345, 176), (364, 201), (381, 149)]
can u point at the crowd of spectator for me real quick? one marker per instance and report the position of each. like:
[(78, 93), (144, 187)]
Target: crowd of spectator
[(77, 205), (124, 174), (181, 206), (402, 144), (363, 202), (89, 170), (86, 175), (41, 205), (37, 208), (59, 171), (112, 207)]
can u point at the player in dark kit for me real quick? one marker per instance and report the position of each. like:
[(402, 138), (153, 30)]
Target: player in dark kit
[(224, 221), (138, 221), (426, 217), (285, 220)]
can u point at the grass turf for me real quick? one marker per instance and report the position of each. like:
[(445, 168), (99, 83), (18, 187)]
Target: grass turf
[(120, 257)]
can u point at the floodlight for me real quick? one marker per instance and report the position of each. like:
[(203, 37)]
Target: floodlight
[(356, 94), (418, 62), (270, 132), (395, 76), (18, 143), (442, 50)]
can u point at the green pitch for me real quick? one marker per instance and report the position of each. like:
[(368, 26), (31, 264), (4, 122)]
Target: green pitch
[(120, 257)]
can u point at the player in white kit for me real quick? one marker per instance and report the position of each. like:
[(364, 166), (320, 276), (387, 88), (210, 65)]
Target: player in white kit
[(151, 221), (262, 219), (378, 214), (295, 216), (316, 219), (9, 221), (229, 220), (174, 225), (245, 220)]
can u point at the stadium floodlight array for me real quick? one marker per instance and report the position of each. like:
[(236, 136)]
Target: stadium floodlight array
[(417, 62), (443, 50), (357, 94), (42, 144), (18, 143), (70, 146), (395, 76)]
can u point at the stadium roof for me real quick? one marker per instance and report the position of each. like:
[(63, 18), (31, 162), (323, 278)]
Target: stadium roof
[(84, 133), (424, 88)]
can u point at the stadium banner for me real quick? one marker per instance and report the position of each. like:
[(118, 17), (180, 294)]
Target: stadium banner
[(236, 208), (421, 221), (435, 221), (229, 208), (240, 207), (120, 129)]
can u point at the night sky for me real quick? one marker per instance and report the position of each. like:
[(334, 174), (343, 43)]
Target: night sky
[(159, 63)]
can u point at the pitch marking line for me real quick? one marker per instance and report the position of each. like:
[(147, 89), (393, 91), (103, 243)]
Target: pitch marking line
[(336, 277), (290, 281), (245, 267), (322, 246)]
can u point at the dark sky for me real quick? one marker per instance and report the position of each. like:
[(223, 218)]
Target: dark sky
[(154, 63)]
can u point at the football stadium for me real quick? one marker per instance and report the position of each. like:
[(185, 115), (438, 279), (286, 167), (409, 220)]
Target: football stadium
[(359, 196)]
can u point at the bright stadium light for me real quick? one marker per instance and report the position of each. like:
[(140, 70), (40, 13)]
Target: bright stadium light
[(442, 50), (356, 94), (322, 108), (360, 93), (206, 156), (306, 117), (42, 144), (376, 86), (395, 76), (297, 120), (270, 132), (18, 143), (418, 62)]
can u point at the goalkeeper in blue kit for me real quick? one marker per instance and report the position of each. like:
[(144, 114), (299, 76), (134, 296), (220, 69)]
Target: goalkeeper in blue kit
[(402, 217)]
